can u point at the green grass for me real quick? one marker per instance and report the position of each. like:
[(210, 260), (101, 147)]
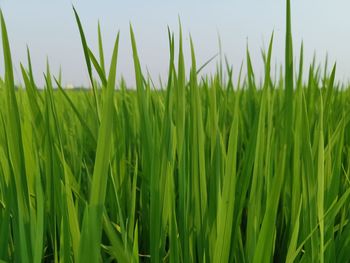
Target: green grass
[(201, 170)]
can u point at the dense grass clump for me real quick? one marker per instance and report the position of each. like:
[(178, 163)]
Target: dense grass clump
[(198, 171)]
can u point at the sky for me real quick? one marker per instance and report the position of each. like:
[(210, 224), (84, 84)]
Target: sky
[(49, 29)]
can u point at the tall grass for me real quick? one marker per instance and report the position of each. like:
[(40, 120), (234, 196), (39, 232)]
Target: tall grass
[(204, 170)]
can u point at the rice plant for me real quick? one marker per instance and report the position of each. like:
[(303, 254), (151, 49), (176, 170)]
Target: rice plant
[(200, 170)]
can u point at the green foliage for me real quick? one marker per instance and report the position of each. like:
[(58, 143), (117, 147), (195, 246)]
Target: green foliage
[(204, 170)]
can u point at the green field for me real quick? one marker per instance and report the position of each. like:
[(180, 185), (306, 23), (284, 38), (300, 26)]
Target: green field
[(204, 169)]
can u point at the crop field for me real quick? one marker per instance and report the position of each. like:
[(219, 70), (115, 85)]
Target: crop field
[(203, 169)]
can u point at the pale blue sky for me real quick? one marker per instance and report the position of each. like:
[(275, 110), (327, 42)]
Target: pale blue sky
[(49, 29)]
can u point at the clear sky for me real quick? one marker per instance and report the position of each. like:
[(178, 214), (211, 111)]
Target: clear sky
[(49, 29)]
